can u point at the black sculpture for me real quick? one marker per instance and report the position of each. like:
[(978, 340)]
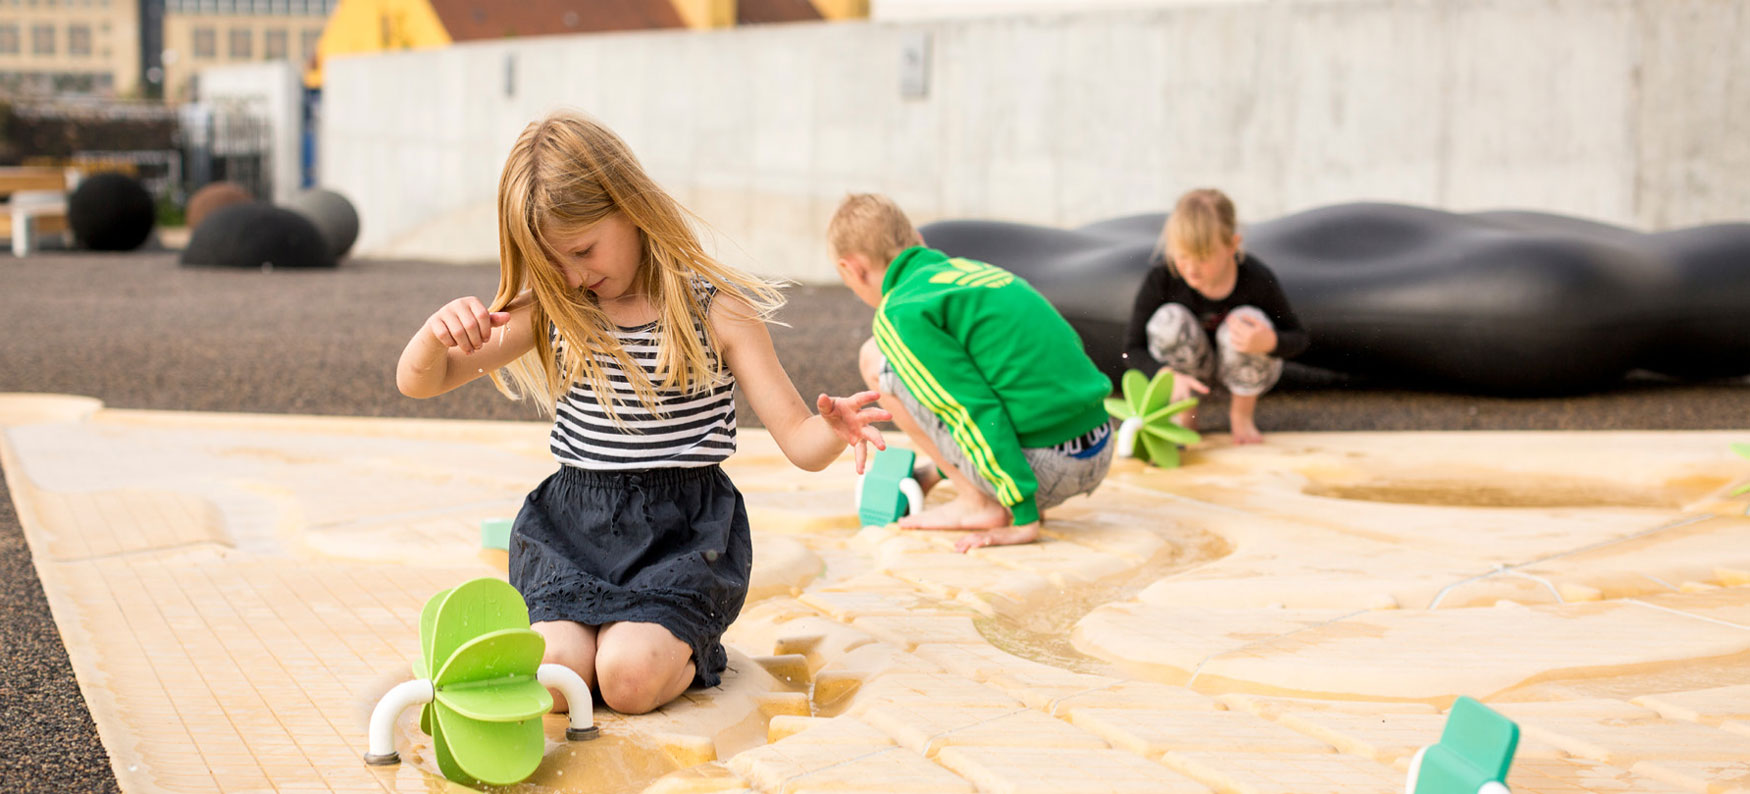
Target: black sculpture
[(1498, 302)]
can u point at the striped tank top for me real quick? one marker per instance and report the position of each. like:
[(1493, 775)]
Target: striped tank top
[(689, 429)]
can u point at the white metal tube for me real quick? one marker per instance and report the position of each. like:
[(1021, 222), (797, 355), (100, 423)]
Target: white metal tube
[(407, 693), (914, 495), (1127, 431), (577, 698)]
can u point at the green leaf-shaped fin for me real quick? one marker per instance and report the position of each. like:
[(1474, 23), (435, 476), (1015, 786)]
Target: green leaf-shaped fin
[(1134, 386), (1118, 408), (1742, 449), (503, 700), (1168, 412), (472, 752), (1161, 452), (1159, 393), (497, 654), (427, 626), (480, 606), (1167, 431)]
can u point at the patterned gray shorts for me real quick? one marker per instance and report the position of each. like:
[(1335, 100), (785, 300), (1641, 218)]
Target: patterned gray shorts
[(1060, 474), (1176, 339)]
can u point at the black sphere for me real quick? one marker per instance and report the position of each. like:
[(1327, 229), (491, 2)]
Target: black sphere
[(257, 235), (111, 212), (333, 215)]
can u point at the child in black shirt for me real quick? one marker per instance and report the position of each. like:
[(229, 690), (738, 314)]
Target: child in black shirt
[(1211, 310)]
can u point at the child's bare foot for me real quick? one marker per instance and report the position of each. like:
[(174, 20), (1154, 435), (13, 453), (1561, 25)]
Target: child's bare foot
[(1245, 431), (927, 476), (1002, 536), (976, 512)]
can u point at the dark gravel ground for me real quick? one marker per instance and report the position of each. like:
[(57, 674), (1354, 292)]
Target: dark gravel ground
[(137, 331)]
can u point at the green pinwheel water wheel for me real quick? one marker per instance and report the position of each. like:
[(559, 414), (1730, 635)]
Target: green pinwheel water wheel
[(482, 687), (1145, 412)]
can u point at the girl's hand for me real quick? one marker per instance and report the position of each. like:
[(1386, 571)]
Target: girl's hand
[(465, 324), (1251, 335), (1184, 385), (852, 422)]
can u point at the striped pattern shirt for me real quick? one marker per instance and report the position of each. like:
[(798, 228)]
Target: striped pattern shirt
[(688, 430)]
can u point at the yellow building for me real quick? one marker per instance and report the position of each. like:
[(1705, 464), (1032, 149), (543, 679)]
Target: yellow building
[(203, 33), (69, 47), (364, 26)]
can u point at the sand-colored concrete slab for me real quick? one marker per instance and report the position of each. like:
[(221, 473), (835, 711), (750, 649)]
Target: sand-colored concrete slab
[(235, 591)]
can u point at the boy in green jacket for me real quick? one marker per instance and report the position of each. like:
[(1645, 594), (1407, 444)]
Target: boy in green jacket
[(980, 371)]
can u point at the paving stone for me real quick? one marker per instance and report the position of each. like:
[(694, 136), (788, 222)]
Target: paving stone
[(1035, 770), (908, 632), (1287, 773), (1152, 733), (1623, 741), (794, 767), (927, 729), (937, 689), (1707, 706), (1712, 777), (1581, 776)]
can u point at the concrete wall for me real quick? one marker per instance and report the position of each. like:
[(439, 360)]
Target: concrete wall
[(1628, 111), (272, 91)]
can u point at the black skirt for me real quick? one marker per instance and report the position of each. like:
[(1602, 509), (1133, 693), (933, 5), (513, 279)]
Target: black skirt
[(663, 546)]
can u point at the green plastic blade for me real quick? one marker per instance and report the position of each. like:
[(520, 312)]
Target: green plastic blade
[(1161, 452), (1742, 449), (427, 631), (499, 654), (1158, 394), (1745, 488), (1481, 736), (472, 752), (1170, 411), (1134, 386), (1167, 431), (425, 723), (505, 700), (476, 607), (1118, 408)]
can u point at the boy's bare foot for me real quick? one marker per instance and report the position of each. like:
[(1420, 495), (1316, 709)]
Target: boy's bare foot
[(1245, 431), (927, 476), (1002, 536), (978, 512)]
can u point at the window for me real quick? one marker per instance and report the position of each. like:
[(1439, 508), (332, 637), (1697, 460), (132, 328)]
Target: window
[(42, 40), (205, 43), (8, 39), (242, 43), (308, 44), (273, 45), (79, 40)]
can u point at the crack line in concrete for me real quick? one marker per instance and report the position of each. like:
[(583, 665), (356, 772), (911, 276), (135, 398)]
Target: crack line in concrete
[(1503, 568)]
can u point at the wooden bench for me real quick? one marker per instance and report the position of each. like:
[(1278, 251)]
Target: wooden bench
[(36, 204)]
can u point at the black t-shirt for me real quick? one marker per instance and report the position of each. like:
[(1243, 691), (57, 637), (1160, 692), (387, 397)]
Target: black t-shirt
[(1254, 285)]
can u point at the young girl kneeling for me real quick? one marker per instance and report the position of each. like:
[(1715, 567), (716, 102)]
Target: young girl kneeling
[(635, 556), (1213, 311)]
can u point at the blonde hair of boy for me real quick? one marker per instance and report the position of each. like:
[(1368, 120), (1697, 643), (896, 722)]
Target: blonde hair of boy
[(872, 225), (1201, 222), (565, 174)]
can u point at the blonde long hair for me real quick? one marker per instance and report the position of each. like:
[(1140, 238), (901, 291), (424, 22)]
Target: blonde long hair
[(565, 174)]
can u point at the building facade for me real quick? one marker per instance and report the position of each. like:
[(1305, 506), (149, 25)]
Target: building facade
[(203, 33), (70, 47)]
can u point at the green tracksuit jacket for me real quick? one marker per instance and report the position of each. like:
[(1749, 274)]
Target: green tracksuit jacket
[(993, 359)]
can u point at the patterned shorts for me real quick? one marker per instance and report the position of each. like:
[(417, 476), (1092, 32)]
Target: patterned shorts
[(1177, 339)]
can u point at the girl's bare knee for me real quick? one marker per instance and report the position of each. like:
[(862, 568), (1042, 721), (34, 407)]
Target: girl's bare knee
[(633, 682), (571, 645)]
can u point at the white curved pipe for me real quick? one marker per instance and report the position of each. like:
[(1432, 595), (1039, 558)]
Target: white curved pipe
[(1493, 787), (577, 698), (1127, 431), (914, 495), (1415, 771), (407, 693)]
